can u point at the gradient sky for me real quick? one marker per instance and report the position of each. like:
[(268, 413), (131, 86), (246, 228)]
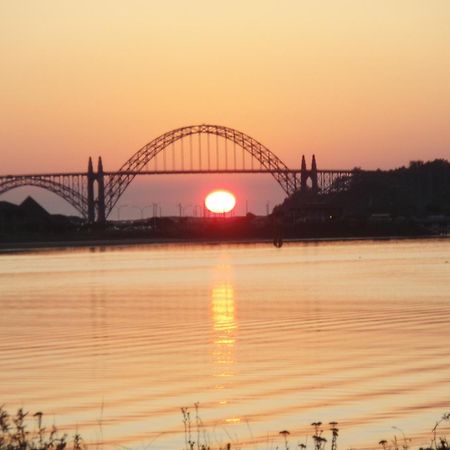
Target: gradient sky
[(357, 82)]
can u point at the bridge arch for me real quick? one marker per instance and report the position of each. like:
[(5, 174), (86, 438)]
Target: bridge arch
[(268, 160), (50, 183)]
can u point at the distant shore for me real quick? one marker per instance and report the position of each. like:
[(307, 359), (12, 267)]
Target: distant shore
[(23, 246)]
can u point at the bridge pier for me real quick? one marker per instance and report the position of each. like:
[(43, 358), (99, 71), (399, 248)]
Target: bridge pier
[(90, 192), (314, 179), (306, 174), (303, 176), (96, 204), (101, 217)]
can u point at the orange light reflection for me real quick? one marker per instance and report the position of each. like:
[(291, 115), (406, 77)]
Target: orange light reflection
[(224, 323)]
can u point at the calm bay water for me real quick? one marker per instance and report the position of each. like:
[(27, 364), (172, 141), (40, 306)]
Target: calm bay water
[(115, 341)]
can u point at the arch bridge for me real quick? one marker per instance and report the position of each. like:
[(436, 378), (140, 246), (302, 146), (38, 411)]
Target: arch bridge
[(197, 149)]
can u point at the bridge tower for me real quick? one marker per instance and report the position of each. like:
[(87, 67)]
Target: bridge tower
[(96, 204), (311, 174), (101, 216), (303, 176), (90, 192)]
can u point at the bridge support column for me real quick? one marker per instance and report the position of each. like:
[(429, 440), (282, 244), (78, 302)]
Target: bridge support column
[(101, 216), (303, 176), (90, 192), (314, 178), (96, 210)]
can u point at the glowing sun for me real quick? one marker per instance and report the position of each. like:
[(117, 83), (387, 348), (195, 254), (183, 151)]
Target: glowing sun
[(220, 201)]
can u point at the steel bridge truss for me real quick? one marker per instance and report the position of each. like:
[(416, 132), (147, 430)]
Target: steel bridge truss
[(72, 187), (181, 151), (268, 161)]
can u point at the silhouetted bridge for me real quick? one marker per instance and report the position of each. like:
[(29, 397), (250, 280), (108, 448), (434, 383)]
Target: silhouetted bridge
[(198, 149)]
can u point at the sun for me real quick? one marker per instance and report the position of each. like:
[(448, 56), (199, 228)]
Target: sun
[(220, 201)]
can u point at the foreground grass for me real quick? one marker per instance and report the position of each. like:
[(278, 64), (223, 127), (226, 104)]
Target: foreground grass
[(197, 439), (25, 431), (22, 432)]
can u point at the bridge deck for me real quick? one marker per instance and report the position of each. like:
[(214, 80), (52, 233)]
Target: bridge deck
[(179, 172)]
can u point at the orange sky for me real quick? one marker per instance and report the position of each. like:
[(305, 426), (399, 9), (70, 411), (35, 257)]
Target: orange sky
[(358, 82)]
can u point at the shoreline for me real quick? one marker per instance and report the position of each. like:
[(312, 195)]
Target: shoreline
[(24, 246)]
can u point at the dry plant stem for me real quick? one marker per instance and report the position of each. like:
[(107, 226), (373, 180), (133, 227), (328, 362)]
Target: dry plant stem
[(16, 433)]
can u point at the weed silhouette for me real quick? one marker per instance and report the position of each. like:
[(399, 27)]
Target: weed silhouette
[(17, 433)]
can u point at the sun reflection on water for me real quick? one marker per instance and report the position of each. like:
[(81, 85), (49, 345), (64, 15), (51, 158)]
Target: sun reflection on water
[(223, 308), (223, 314)]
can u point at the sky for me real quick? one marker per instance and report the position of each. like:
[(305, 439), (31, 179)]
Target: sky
[(358, 83)]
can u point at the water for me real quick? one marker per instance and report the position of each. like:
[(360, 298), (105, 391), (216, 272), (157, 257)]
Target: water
[(115, 341)]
